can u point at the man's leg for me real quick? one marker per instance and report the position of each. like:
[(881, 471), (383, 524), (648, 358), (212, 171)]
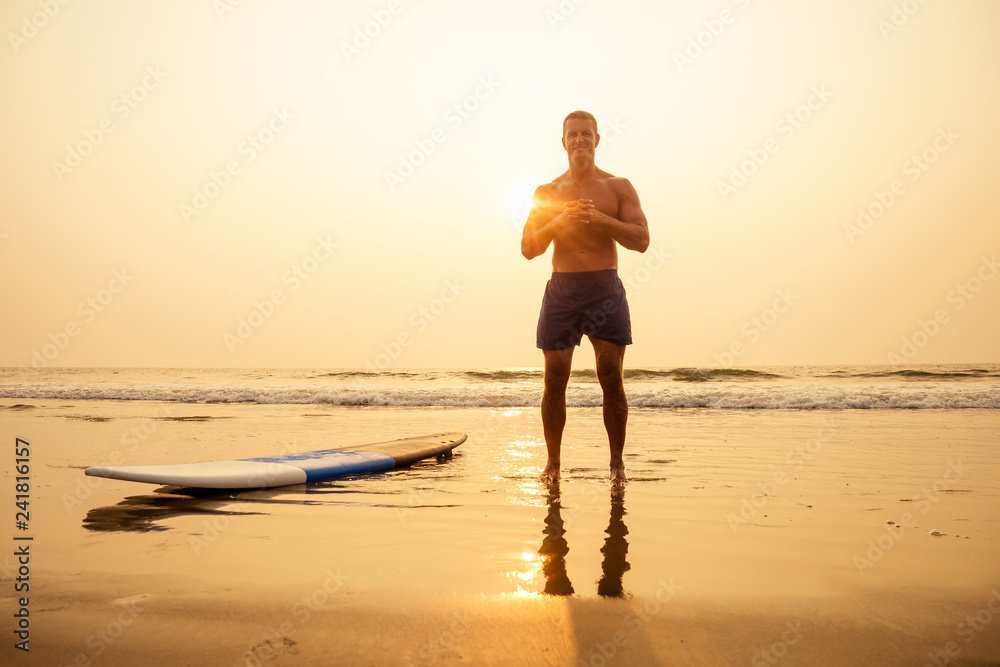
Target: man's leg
[(557, 367), (610, 360)]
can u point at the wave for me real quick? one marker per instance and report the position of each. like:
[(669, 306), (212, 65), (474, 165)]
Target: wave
[(707, 374), (919, 374), (719, 396), (681, 374), (506, 375), (810, 374), (536, 375)]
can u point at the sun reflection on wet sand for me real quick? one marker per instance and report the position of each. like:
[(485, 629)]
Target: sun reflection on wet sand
[(518, 467), (524, 576)]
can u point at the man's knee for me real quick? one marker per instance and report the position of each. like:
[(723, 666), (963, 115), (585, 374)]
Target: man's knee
[(610, 373), (611, 379), (610, 370), (556, 376), (609, 365)]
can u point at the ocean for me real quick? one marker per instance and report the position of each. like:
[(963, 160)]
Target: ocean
[(922, 387)]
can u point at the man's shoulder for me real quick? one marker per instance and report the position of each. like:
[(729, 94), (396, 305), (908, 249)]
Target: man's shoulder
[(556, 182), (620, 184), (551, 189), (613, 179)]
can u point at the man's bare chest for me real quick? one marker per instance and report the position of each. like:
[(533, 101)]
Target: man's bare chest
[(605, 199)]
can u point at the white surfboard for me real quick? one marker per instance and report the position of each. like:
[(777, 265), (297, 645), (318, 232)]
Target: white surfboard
[(270, 471)]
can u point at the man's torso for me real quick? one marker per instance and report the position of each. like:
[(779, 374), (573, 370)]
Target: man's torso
[(584, 247)]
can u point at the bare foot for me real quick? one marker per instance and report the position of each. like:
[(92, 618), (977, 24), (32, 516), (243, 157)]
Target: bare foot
[(550, 475), (618, 478)]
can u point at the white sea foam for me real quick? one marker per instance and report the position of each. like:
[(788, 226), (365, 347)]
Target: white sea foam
[(497, 395)]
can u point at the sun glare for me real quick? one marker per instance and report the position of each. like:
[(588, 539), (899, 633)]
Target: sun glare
[(517, 201)]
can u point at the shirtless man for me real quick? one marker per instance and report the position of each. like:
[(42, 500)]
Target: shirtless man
[(585, 214)]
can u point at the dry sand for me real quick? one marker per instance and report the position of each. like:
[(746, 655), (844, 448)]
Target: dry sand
[(757, 538)]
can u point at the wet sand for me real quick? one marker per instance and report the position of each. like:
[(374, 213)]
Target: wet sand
[(767, 537)]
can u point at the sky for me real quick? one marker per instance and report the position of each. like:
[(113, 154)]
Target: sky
[(226, 183)]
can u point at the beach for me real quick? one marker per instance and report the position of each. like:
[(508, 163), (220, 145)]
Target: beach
[(261, 240), (766, 536)]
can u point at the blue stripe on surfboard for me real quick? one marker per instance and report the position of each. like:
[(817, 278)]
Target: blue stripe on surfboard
[(330, 463)]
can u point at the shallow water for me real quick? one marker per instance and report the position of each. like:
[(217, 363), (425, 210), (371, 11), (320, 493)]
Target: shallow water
[(723, 502)]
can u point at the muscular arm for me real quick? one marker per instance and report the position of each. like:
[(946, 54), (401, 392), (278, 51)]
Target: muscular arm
[(630, 229), (544, 224)]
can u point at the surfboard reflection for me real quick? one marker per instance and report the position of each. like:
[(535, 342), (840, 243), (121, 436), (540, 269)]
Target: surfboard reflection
[(144, 513), (555, 548), (149, 512)]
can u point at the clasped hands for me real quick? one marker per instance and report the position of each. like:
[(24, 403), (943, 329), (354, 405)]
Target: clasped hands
[(581, 211)]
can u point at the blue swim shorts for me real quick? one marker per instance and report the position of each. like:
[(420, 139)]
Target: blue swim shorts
[(585, 303)]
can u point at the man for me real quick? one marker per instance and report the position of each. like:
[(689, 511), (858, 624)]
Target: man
[(585, 214)]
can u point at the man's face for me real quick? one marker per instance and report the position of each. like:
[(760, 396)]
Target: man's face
[(580, 137)]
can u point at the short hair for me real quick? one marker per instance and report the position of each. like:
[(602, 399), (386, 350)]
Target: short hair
[(580, 114)]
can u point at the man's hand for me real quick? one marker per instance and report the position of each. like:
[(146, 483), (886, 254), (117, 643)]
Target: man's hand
[(631, 231), (575, 212)]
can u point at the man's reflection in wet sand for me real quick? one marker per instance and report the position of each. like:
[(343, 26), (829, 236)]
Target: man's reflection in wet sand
[(615, 548), (554, 547)]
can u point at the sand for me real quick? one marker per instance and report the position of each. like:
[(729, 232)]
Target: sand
[(746, 537)]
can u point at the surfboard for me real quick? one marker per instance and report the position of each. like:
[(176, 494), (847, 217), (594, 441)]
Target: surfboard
[(270, 471)]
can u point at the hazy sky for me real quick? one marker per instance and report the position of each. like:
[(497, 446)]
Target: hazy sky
[(306, 183)]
